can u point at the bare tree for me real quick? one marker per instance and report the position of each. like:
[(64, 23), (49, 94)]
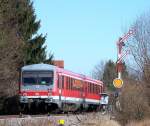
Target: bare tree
[(140, 48), (98, 70)]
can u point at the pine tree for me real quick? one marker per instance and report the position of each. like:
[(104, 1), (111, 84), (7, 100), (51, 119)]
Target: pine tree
[(27, 28)]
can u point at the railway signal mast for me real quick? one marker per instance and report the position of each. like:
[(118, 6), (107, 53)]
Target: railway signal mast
[(120, 55), (118, 82)]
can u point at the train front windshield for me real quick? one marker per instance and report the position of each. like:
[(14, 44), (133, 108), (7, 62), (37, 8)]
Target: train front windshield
[(37, 78)]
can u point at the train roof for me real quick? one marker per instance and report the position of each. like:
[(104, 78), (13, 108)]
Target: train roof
[(37, 67), (47, 67), (77, 75)]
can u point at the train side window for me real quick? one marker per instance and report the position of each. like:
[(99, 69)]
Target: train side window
[(87, 87), (100, 90), (95, 89), (61, 84), (73, 84), (69, 83), (58, 82), (79, 85), (66, 82), (84, 86), (90, 87)]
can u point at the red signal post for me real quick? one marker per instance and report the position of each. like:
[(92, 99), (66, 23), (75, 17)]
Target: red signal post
[(120, 44)]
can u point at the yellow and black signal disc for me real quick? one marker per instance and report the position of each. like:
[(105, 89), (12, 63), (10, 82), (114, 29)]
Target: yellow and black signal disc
[(118, 83)]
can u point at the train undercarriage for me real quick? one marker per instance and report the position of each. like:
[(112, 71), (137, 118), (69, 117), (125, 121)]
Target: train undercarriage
[(39, 106)]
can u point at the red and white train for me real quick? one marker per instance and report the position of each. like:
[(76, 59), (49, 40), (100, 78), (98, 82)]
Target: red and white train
[(57, 87)]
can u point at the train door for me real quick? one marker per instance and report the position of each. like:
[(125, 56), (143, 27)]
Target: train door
[(82, 92), (60, 88), (85, 89), (84, 95)]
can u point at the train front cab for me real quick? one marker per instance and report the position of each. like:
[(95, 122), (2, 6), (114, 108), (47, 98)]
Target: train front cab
[(36, 86)]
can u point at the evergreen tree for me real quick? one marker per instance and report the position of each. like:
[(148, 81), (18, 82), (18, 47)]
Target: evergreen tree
[(35, 51), (110, 74), (27, 26)]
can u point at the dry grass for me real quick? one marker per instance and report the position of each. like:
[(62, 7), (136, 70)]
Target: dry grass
[(28, 122), (145, 122), (99, 121), (133, 102), (94, 119)]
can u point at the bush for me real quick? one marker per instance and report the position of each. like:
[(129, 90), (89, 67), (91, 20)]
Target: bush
[(133, 101), (11, 105)]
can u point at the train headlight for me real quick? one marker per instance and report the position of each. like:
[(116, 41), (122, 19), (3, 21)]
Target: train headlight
[(49, 93), (24, 94), (37, 94)]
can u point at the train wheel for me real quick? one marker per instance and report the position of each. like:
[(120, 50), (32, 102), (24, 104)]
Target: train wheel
[(21, 108)]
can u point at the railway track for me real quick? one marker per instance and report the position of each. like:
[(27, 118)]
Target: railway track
[(35, 116), (41, 115), (20, 116)]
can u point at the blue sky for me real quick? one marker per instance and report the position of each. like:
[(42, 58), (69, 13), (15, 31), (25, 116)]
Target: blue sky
[(84, 32)]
